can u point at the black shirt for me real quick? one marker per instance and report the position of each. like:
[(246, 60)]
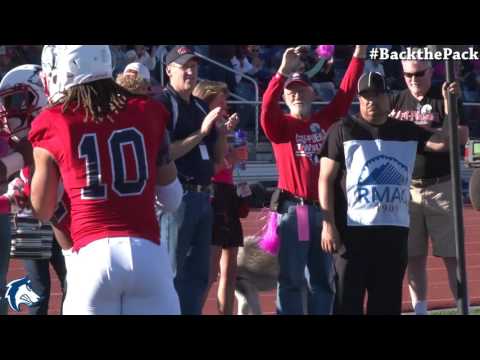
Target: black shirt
[(187, 117), (376, 164), (429, 113)]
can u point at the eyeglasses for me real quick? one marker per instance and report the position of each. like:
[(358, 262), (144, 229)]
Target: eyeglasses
[(416, 74), (186, 66)]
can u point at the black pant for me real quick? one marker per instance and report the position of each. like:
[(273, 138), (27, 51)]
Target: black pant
[(38, 272), (373, 261)]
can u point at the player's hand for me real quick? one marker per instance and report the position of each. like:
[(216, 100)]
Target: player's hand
[(330, 238), (210, 120), (17, 193), (453, 88), (24, 147)]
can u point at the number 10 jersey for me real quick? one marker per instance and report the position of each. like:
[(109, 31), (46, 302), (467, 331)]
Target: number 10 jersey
[(108, 169)]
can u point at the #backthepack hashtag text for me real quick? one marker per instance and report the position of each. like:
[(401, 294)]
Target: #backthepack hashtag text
[(423, 54)]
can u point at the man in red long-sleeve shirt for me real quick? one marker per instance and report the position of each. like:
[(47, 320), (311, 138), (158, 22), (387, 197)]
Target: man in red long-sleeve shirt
[(297, 138)]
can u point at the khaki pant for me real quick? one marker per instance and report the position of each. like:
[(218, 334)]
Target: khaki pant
[(431, 216)]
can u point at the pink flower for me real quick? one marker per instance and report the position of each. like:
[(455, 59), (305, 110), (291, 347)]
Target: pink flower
[(325, 51)]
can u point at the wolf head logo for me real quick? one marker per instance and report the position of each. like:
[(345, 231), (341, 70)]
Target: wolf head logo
[(20, 292)]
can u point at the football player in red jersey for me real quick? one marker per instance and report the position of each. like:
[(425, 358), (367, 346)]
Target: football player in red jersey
[(22, 97), (104, 143)]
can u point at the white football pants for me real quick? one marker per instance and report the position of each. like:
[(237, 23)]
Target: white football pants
[(120, 276)]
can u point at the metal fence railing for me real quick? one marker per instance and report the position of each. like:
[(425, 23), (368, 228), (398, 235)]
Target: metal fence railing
[(243, 76)]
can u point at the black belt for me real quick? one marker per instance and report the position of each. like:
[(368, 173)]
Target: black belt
[(422, 183), (288, 196), (197, 188)]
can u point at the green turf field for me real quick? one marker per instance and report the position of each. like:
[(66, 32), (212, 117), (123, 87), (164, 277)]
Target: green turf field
[(473, 311)]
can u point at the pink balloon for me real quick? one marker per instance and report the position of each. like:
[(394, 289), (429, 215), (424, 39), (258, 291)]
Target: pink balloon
[(325, 51)]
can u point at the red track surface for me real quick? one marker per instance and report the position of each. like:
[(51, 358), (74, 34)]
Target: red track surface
[(439, 293)]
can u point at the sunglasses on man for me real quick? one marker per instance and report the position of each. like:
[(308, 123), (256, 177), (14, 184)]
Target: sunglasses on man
[(416, 74)]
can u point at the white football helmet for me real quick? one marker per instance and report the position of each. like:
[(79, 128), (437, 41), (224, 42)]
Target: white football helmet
[(81, 64), (48, 74), (22, 97), (65, 66)]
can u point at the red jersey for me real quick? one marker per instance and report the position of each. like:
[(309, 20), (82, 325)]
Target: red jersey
[(62, 216), (108, 169), (297, 143)]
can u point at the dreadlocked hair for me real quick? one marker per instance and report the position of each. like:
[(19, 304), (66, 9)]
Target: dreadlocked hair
[(99, 99)]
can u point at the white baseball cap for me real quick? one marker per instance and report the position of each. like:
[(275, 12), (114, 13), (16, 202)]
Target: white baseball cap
[(139, 69)]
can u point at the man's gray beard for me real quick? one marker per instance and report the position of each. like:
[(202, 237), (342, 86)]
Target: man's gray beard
[(303, 111), (416, 92)]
